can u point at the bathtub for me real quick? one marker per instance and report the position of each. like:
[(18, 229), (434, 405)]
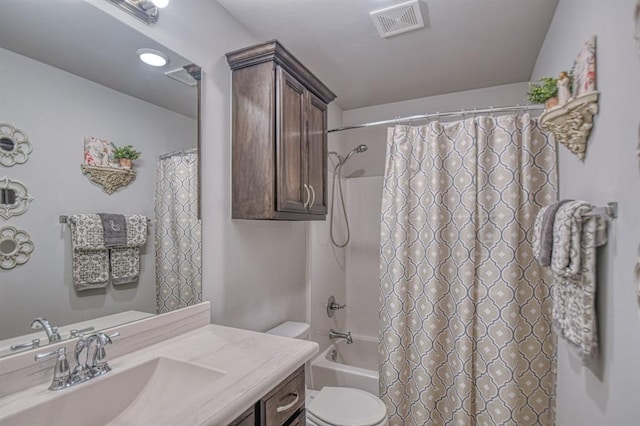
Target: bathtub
[(354, 365)]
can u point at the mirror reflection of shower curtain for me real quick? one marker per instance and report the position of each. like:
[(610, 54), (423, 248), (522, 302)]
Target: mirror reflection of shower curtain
[(178, 232)]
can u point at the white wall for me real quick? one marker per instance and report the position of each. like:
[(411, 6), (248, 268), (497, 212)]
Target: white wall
[(607, 391), (363, 254), (326, 263), (57, 110), (254, 273)]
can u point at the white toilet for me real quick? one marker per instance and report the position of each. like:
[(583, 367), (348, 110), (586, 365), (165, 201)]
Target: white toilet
[(336, 406)]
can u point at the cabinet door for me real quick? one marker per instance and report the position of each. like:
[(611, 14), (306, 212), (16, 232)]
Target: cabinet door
[(317, 153), (292, 195)]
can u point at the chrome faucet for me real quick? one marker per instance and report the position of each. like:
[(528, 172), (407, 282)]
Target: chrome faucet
[(52, 332), (339, 335), (64, 377)]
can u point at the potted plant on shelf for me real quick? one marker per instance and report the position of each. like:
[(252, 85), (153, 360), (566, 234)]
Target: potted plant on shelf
[(125, 155), (543, 91)]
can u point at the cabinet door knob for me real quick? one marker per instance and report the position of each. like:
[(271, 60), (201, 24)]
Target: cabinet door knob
[(306, 202), (313, 196)]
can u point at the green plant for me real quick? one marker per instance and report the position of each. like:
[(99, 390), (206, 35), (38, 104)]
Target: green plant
[(127, 152), (541, 90)]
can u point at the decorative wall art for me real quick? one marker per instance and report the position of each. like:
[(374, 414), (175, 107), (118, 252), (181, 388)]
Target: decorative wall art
[(14, 146), (102, 167), (14, 198), (15, 247), (571, 122)]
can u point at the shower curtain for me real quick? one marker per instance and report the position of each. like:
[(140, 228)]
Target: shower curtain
[(466, 333), (178, 232)]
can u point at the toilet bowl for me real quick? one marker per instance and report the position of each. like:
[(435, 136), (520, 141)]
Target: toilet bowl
[(336, 406)]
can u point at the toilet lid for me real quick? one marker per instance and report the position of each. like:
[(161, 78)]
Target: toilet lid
[(347, 406)]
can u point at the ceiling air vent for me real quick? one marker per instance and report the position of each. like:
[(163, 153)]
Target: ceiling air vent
[(397, 19), (183, 76)]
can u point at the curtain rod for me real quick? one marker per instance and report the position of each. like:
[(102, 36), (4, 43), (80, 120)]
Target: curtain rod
[(438, 115)]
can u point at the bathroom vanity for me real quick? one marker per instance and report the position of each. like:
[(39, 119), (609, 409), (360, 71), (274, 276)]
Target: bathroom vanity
[(169, 369)]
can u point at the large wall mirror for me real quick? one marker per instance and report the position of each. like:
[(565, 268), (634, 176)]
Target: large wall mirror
[(69, 71)]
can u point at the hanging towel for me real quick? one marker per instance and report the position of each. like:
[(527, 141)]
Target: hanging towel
[(543, 232), (567, 235), (114, 228), (125, 260), (574, 276), (90, 258)]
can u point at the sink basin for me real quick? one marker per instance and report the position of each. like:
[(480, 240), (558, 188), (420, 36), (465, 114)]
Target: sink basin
[(133, 396)]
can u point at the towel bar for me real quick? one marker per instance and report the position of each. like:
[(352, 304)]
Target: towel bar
[(65, 219), (610, 211)]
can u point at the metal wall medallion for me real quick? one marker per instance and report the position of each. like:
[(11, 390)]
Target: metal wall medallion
[(15, 247), (14, 146), (14, 198)]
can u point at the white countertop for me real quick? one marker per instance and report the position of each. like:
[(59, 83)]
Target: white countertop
[(253, 362)]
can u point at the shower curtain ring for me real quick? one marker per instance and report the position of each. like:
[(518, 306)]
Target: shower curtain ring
[(491, 111)]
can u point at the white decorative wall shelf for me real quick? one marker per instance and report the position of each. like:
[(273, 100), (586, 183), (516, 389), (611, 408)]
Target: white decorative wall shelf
[(571, 123), (109, 178)]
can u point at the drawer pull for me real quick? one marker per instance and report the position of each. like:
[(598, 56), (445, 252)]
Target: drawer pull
[(281, 408)]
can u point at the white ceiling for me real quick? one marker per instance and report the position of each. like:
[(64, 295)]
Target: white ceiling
[(465, 44), (77, 37)]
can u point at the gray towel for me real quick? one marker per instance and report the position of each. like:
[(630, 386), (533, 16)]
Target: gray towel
[(546, 233), (115, 229), (574, 294)]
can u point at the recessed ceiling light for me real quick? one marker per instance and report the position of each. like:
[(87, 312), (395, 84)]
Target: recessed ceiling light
[(160, 3), (153, 57)]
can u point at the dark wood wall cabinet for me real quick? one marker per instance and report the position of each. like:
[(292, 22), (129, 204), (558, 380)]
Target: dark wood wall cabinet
[(279, 142), (282, 406)]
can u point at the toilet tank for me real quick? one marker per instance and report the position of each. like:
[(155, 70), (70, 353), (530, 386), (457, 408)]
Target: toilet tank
[(293, 329)]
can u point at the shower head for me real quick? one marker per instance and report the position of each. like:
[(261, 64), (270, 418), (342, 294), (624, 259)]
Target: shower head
[(357, 150)]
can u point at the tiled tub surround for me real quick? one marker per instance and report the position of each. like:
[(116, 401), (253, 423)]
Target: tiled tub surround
[(253, 364)]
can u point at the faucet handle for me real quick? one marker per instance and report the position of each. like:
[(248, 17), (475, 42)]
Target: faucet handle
[(35, 343), (61, 371), (99, 365), (74, 332)]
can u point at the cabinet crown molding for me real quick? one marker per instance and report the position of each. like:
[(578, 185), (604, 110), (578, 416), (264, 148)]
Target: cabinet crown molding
[(274, 51)]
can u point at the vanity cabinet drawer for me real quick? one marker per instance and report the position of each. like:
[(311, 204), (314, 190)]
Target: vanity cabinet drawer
[(299, 420), (279, 405)]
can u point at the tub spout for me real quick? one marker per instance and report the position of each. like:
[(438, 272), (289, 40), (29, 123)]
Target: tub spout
[(339, 335)]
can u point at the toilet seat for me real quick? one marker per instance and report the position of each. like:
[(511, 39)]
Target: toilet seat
[(336, 406)]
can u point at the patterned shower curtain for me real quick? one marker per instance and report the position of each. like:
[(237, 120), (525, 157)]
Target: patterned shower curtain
[(466, 333), (178, 232)]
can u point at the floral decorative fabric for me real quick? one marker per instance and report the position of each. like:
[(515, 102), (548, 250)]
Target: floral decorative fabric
[(466, 334)]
